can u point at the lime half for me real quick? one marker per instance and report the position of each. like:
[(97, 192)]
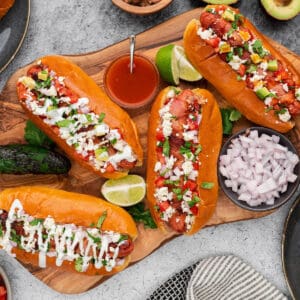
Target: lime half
[(125, 191), (186, 69), (167, 65)]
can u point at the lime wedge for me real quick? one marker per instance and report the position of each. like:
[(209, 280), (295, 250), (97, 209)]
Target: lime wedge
[(125, 191), (186, 69), (167, 64)]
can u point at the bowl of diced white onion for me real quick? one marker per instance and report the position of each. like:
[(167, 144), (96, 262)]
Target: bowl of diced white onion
[(259, 169)]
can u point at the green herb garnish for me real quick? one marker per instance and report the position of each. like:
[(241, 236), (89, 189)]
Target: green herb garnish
[(142, 215), (207, 185), (229, 115), (101, 219), (101, 117), (36, 222), (34, 136), (166, 148), (194, 201)]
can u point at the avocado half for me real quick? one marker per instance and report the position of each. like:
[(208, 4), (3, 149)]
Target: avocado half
[(227, 2), (282, 9)]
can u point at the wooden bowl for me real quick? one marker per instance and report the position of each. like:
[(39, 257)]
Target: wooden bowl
[(141, 10)]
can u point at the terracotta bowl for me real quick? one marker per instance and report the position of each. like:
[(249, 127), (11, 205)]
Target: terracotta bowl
[(141, 10)]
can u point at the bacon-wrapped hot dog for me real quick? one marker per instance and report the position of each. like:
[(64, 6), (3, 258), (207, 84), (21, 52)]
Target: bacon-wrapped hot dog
[(184, 139), (54, 228), (74, 112), (238, 60)]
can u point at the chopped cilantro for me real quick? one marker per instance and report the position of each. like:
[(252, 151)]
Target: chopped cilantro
[(166, 148), (65, 123), (229, 115), (142, 215), (207, 185), (194, 201), (101, 219), (101, 117), (36, 222), (229, 56), (198, 149)]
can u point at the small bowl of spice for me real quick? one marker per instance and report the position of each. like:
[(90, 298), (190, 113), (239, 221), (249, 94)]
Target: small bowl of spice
[(131, 90), (141, 7), (259, 169)]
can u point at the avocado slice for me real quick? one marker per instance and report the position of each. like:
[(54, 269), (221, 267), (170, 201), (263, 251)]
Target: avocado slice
[(227, 2), (282, 9)]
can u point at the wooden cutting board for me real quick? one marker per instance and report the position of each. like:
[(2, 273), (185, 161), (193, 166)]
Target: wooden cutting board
[(12, 122)]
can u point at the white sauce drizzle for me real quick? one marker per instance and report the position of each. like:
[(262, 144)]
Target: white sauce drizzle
[(71, 242)]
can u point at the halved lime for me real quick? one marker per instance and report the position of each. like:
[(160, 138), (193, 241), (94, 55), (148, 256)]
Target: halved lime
[(125, 191), (186, 69), (167, 64)]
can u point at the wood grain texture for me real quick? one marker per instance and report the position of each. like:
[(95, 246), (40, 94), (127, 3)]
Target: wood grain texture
[(13, 119)]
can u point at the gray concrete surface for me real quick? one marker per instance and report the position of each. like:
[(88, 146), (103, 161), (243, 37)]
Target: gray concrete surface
[(73, 26)]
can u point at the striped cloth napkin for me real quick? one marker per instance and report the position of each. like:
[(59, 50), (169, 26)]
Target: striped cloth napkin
[(218, 278), (229, 278)]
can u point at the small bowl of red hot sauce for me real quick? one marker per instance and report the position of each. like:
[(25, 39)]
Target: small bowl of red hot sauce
[(134, 89)]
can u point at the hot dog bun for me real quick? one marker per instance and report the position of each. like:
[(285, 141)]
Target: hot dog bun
[(68, 208), (224, 78), (82, 85), (210, 137)]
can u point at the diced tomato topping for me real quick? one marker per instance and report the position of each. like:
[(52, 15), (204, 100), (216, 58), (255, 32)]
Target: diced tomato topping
[(163, 205), (242, 70), (219, 8), (159, 182), (110, 168), (34, 70), (74, 99), (214, 42), (196, 166), (194, 210), (193, 124), (160, 136), (191, 185)]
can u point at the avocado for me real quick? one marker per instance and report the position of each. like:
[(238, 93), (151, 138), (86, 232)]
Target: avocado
[(282, 9), (227, 2)]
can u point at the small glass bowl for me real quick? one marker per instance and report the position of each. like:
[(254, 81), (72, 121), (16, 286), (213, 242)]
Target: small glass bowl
[(131, 91)]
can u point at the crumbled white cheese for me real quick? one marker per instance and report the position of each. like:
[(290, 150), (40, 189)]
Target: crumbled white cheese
[(285, 87), (236, 62), (268, 101), (187, 167), (257, 77), (285, 116), (263, 65), (206, 34), (190, 135)]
